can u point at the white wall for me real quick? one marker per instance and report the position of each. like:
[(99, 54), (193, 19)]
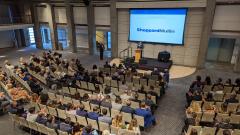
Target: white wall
[(60, 14), (227, 18), (6, 39), (102, 15), (82, 36), (80, 15), (181, 55)]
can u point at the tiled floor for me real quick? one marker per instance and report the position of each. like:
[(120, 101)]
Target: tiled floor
[(170, 113)]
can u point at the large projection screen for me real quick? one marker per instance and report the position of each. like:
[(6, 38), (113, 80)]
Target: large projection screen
[(158, 25)]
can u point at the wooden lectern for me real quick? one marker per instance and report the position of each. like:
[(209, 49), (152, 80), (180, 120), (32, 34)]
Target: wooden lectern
[(138, 55)]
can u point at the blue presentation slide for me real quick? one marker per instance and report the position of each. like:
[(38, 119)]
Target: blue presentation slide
[(157, 25)]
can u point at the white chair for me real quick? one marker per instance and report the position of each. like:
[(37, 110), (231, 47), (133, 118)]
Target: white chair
[(234, 119), (81, 120), (93, 123), (59, 97), (114, 112), (65, 90), (76, 102), (209, 130), (67, 100), (72, 90), (198, 128), (51, 96), (33, 126), (42, 129), (208, 117), (143, 81), (62, 133), (103, 126), (72, 117), (61, 114), (86, 105), (84, 85), (127, 117), (140, 120), (107, 81), (114, 83), (52, 111), (51, 131), (236, 132), (23, 122), (114, 130), (91, 86)]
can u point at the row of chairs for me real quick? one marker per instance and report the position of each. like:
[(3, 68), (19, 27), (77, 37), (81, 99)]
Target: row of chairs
[(33, 126), (98, 125), (72, 91), (219, 96), (111, 71), (231, 107), (127, 117), (210, 130), (226, 89)]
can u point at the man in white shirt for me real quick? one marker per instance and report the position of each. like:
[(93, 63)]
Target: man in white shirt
[(31, 115)]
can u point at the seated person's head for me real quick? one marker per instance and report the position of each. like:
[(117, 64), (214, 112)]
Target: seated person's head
[(95, 109), (31, 110), (142, 105), (118, 100), (194, 132), (104, 111), (128, 103), (233, 96), (88, 128), (151, 87), (68, 120), (226, 132), (198, 78), (81, 106)]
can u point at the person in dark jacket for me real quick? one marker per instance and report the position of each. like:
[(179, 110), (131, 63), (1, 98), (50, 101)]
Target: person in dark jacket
[(127, 108)]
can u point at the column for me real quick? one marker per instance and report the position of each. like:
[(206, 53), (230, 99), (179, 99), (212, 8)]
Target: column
[(91, 28), (206, 32), (237, 63), (114, 28), (71, 27), (53, 27), (36, 28)]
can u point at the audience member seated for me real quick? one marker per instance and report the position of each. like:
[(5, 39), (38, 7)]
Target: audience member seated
[(43, 98), (197, 96), (117, 104), (51, 123), (224, 124), (117, 120), (127, 108), (193, 121), (226, 132), (193, 108), (218, 85), (94, 114), (35, 88), (104, 117), (4, 101), (31, 114), (150, 103), (223, 108), (232, 99), (88, 130), (41, 118), (197, 84), (149, 119), (80, 111), (228, 82), (106, 102), (133, 126), (207, 81), (71, 109), (66, 126), (106, 65), (209, 97), (126, 95), (16, 108)]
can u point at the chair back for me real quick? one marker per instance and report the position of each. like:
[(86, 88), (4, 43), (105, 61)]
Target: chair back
[(140, 120), (94, 123), (103, 126), (81, 120), (61, 114)]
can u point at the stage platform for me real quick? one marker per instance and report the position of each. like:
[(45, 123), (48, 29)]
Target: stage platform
[(150, 64)]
